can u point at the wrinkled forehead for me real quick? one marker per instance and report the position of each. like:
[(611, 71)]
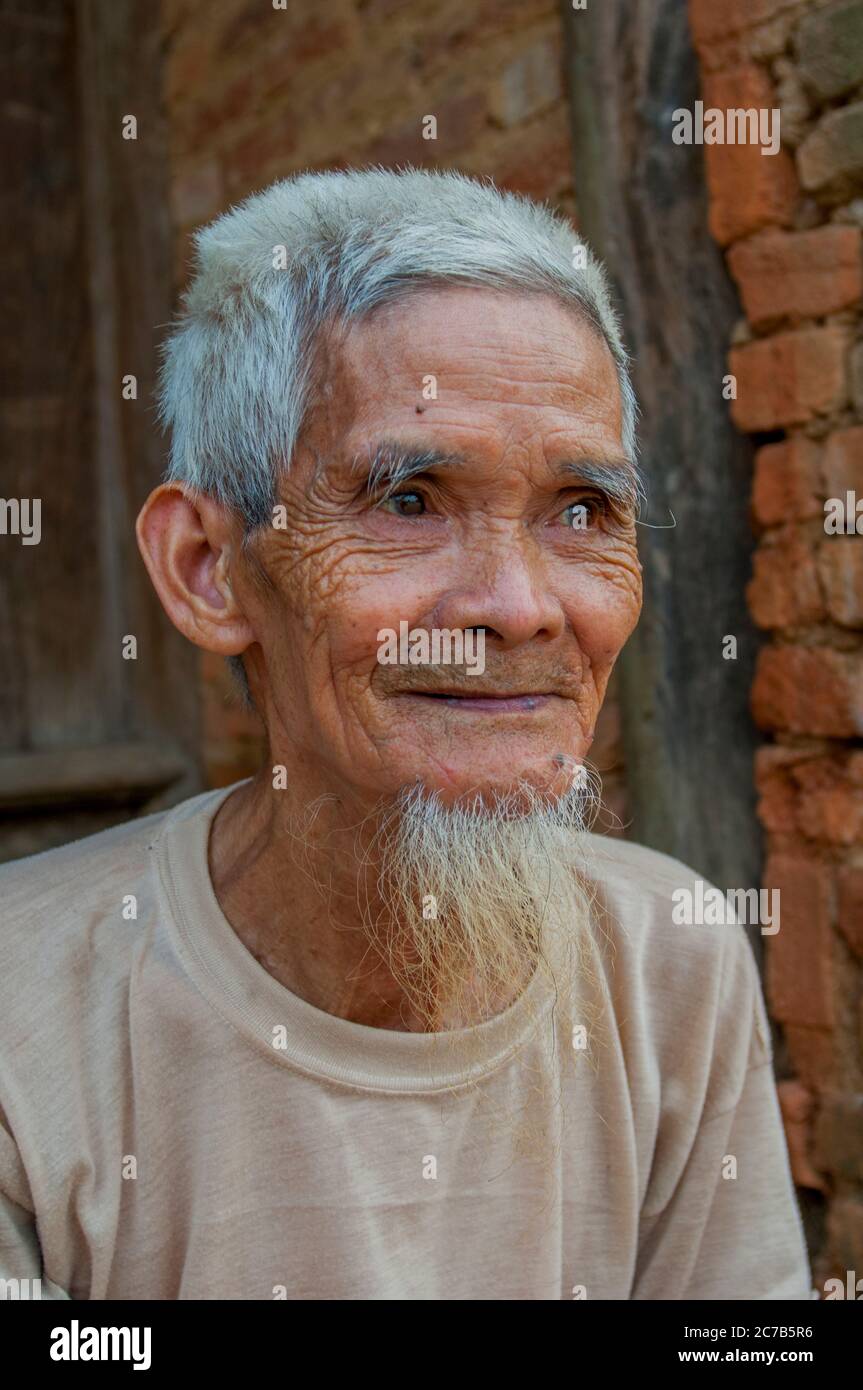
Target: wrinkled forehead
[(472, 337), (468, 371)]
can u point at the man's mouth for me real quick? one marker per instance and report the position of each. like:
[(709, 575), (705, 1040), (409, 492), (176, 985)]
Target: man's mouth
[(491, 703)]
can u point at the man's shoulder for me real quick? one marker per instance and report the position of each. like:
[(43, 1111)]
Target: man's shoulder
[(681, 954), (74, 876), (59, 903), (669, 925), (79, 925), (631, 864), (655, 893)]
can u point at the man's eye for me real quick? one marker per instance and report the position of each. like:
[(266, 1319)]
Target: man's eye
[(581, 515), (404, 504)]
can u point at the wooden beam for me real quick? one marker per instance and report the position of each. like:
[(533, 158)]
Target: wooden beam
[(642, 205), (120, 773), (87, 284)]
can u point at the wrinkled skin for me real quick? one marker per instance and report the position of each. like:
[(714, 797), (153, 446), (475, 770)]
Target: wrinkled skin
[(521, 385)]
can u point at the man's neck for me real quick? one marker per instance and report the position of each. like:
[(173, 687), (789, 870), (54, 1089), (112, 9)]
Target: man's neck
[(293, 900)]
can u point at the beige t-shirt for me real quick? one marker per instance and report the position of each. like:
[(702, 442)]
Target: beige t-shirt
[(175, 1124)]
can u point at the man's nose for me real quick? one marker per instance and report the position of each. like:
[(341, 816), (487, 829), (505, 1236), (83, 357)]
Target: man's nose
[(507, 594)]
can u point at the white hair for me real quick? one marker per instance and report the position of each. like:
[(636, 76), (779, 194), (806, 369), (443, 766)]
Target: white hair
[(321, 249)]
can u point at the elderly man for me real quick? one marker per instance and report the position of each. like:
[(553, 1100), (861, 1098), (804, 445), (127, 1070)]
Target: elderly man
[(385, 1021)]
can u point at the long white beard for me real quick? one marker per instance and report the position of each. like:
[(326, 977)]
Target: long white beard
[(473, 899)]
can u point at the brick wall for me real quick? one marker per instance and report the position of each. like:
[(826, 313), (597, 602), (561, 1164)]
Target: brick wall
[(791, 226), (254, 94)]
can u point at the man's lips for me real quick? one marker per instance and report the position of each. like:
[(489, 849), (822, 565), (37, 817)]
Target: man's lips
[(503, 703)]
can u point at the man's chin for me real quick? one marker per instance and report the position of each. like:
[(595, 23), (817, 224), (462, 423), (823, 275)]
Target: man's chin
[(566, 794)]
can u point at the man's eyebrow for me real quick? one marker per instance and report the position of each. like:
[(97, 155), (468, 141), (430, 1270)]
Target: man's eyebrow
[(390, 464), (620, 481)]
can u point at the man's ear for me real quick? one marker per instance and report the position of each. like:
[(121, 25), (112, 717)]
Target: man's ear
[(187, 544)]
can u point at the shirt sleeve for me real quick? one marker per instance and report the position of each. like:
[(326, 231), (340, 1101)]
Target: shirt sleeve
[(20, 1254), (727, 1225)]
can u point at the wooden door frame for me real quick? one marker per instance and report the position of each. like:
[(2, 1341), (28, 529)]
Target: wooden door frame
[(132, 740)]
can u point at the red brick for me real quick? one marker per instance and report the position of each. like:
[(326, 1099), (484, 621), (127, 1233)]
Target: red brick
[(403, 144), (809, 690), (710, 23), (839, 1134), (538, 165), (811, 1054), (460, 122), (799, 977), (850, 909), (204, 125), (786, 482), (186, 70), (789, 378), (374, 10), (748, 190), (260, 157), (797, 1104), (818, 796), (504, 16), (777, 805), (829, 800), (295, 35), (284, 92), (797, 274), (840, 567), (197, 193), (842, 462), (784, 591), (845, 1239)]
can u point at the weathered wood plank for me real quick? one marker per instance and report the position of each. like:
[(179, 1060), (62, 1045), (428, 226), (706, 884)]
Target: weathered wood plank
[(642, 205), (87, 292), (122, 772)]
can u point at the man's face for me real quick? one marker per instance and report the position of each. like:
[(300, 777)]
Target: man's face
[(483, 538)]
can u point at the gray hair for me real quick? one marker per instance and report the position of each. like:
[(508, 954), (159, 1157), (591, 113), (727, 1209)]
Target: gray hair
[(324, 249)]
